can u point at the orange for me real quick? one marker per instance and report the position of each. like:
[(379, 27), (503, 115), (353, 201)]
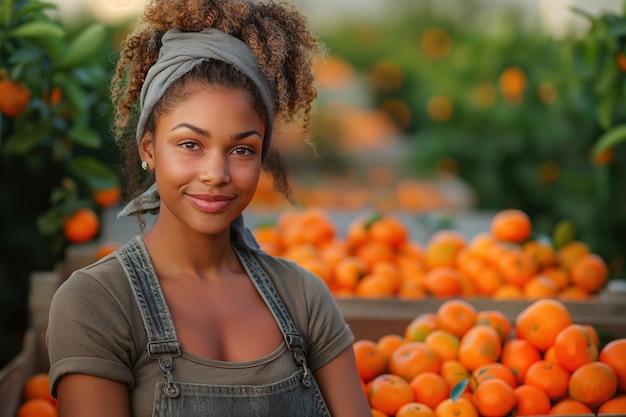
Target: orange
[(573, 293), (589, 272), (14, 97), (107, 197), (569, 253), (443, 343), (454, 372), (517, 267), (429, 388), (518, 355), (389, 270), (496, 319), (348, 272), (269, 239), (411, 290), (456, 316), (494, 398), (82, 226), (616, 405), (374, 286), (370, 360), (460, 407), (309, 226), (378, 413), (357, 232), (541, 321), (389, 343), (443, 281), (38, 386), (318, 267), (574, 346), (37, 407), (413, 358), (558, 275), (531, 401), (415, 409), (443, 249), (105, 249), (550, 377), (569, 407), (543, 253), (374, 251), (507, 292), (389, 230), (613, 354), (538, 287), (420, 326), (511, 226), (479, 346), (487, 280), (490, 371), (550, 356), (512, 83), (389, 392), (593, 384)]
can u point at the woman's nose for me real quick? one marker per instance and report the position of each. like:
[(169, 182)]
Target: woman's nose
[(214, 169)]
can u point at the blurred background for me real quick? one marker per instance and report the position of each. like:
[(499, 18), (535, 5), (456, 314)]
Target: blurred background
[(436, 109)]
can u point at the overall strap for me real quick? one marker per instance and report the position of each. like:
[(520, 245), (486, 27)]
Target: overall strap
[(267, 290), (162, 339)]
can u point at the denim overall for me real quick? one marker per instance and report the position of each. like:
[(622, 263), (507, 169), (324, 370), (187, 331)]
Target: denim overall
[(297, 395)]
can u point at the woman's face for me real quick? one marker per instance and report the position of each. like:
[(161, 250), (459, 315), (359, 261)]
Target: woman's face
[(206, 154)]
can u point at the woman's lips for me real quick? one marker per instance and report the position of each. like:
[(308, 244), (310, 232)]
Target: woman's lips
[(210, 203)]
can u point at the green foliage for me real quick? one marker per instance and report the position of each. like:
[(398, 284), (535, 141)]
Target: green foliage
[(57, 151), (539, 150)]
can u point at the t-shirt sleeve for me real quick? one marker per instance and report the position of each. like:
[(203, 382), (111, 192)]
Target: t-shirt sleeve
[(88, 332), (329, 335)]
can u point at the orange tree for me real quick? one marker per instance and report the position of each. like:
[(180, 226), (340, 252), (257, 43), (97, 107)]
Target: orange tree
[(529, 120), (54, 143)]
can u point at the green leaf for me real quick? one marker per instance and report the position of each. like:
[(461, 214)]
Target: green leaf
[(96, 174), (563, 233), (38, 30), (83, 47), (85, 136), (605, 109), (584, 13), (6, 12), (610, 139), (33, 7), (458, 389), (52, 220), (22, 142)]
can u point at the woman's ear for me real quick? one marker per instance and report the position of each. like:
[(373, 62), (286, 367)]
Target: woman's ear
[(146, 149)]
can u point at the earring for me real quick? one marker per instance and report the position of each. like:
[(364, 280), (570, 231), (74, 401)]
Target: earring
[(144, 165)]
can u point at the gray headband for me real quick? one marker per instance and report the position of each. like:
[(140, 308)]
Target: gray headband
[(179, 54)]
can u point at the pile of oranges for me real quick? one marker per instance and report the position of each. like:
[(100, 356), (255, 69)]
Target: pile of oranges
[(460, 362), (376, 258), (36, 398)]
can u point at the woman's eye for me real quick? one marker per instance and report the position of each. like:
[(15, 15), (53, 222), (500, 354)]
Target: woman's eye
[(244, 151), (189, 145)]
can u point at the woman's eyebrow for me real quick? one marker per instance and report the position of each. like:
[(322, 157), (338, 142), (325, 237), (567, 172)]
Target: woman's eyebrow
[(194, 128)]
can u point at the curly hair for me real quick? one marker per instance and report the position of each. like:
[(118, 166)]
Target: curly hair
[(278, 36)]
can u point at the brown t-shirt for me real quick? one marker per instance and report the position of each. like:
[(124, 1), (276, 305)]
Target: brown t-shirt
[(95, 328)]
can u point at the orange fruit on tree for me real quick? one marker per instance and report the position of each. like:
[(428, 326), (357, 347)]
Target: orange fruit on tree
[(512, 83), (456, 316), (389, 392), (454, 372), (569, 407), (82, 226), (494, 398), (550, 377), (574, 346), (443, 281), (443, 343), (590, 272), (496, 319), (107, 197), (38, 386), (593, 384), (492, 370), (511, 225), (460, 407), (613, 354), (531, 401), (37, 407), (370, 360), (420, 327), (413, 358), (518, 355), (616, 405), (14, 97), (415, 409), (541, 321), (388, 343), (517, 267), (479, 346), (429, 388)]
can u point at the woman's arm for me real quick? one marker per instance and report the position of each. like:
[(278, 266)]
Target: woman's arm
[(90, 396), (340, 384)]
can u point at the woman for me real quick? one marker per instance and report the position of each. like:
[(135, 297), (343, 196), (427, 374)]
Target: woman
[(191, 318)]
